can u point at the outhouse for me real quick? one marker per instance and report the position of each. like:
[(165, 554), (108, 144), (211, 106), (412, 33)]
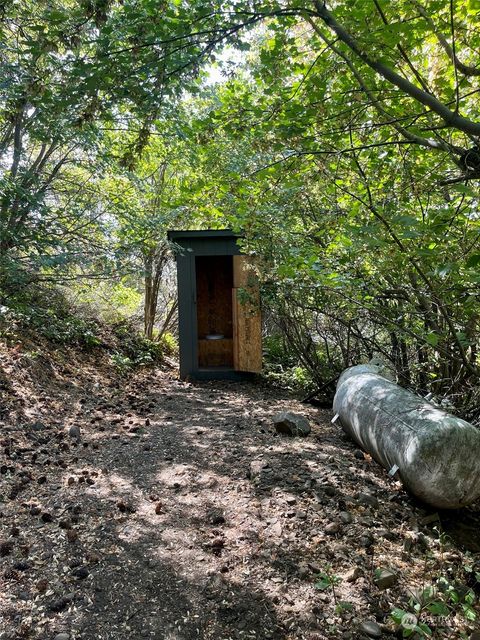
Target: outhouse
[(220, 330)]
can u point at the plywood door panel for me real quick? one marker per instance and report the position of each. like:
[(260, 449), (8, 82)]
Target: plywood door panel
[(244, 272), (247, 330)]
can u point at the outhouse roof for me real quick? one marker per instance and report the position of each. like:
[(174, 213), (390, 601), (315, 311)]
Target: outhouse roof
[(203, 233)]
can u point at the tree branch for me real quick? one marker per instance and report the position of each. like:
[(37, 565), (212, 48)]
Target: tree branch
[(402, 50), (451, 118), (424, 142), (466, 69)]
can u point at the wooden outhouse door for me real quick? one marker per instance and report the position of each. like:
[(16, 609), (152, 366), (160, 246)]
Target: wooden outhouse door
[(247, 321)]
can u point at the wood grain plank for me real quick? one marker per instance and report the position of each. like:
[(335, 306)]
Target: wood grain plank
[(247, 332), (244, 271)]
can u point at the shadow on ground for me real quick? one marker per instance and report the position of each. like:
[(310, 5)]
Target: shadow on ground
[(183, 515)]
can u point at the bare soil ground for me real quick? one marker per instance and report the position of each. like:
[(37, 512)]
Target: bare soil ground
[(181, 514)]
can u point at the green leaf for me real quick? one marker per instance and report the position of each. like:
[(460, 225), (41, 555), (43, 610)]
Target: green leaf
[(323, 584), (425, 628), (438, 608), (397, 615), (432, 339), (473, 261)]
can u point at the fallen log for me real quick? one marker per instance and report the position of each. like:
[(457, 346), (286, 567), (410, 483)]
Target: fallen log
[(436, 455)]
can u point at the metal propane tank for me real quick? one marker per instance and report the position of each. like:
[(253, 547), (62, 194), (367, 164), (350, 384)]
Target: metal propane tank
[(436, 455)]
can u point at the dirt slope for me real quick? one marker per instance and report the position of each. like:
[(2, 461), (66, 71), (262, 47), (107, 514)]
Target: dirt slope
[(181, 514)]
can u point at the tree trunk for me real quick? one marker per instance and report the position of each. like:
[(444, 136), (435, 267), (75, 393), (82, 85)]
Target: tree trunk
[(154, 262)]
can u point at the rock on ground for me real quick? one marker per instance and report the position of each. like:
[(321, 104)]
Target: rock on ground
[(291, 424)]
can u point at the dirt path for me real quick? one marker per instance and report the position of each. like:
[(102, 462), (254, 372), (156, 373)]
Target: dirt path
[(181, 514)]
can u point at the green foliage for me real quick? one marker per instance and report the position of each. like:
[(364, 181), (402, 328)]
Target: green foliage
[(290, 378), (276, 351), (168, 344), (349, 162), (83, 87), (136, 350), (280, 366), (344, 606), (327, 580), (439, 604), (364, 254), (408, 624), (122, 363), (111, 301), (48, 314)]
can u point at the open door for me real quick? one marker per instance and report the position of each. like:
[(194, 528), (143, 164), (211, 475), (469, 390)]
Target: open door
[(214, 278), (247, 320)]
